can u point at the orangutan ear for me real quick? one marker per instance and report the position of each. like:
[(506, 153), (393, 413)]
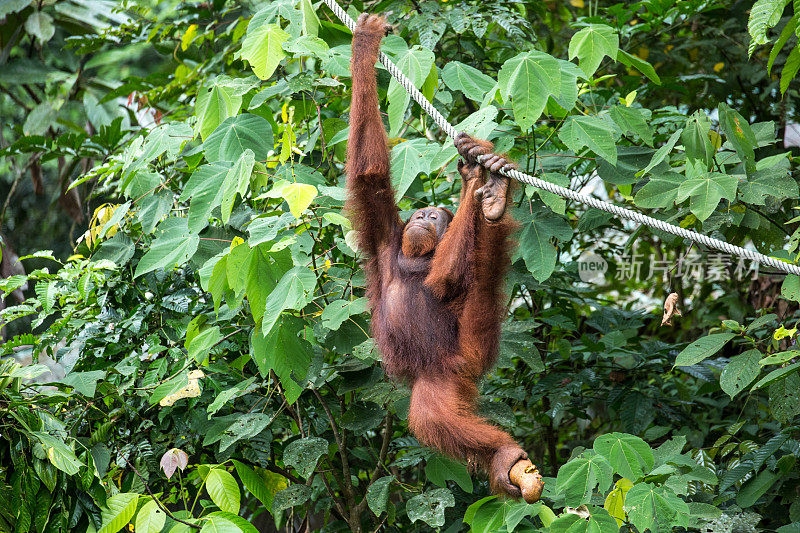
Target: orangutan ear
[(449, 213)]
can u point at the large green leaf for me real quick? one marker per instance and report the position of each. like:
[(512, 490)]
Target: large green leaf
[(282, 351), (578, 478), (590, 131), (776, 182), (630, 456), (661, 190), (303, 454), (173, 245), (535, 245), (740, 371), (469, 80), (764, 15), (591, 44), (224, 490), (261, 483), (528, 79), (12, 6), (59, 453), (263, 270), (598, 521), (289, 497), (429, 506), (739, 134), (205, 188), (378, 494), (416, 64), (118, 511), (663, 152), (84, 382), (655, 508), (408, 159), (150, 518), (634, 120), (235, 135), (215, 104), (705, 189), (294, 291), (440, 470), (263, 48), (237, 181), (702, 349)]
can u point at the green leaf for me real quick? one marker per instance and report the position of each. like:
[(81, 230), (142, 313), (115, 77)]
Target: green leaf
[(535, 246), (740, 371), (303, 454), (84, 382), (219, 522), (775, 375), (173, 245), (528, 79), (705, 189), (336, 312), (153, 208), (284, 352), (237, 181), (440, 469), (592, 132), (630, 456), (150, 518), (299, 196), (378, 494), (12, 6), (634, 120), (214, 105), (702, 349), (308, 46), (764, 15), (294, 291), (775, 182), (263, 48), (39, 119), (205, 188), (639, 64), (469, 80), (261, 483), (788, 31), (662, 152), (408, 159), (599, 521), (289, 497), (201, 344), (655, 508), (578, 478), (235, 135), (224, 490), (310, 19), (59, 453), (263, 271), (784, 398), (429, 506), (739, 134), (416, 64), (40, 25), (118, 511), (591, 44), (696, 140), (790, 288), (752, 490), (661, 190), (225, 396)]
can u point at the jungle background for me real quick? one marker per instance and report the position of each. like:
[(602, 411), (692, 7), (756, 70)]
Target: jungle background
[(185, 333)]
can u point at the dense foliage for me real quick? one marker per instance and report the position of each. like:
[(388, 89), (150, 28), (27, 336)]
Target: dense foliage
[(194, 353)]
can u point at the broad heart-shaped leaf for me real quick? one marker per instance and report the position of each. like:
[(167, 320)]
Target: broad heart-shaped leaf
[(294, 291), (739, 134), (591, 44), (118, 511), (84, 382), (529, 79), (702, 349), (378, 494), (237, 180), (415, 63), (224, 490), (705, 189), (660, 191), (488, 515), (535, 245), (409, 158), (263, 270), (173, 245), (59, 453), (633, 119), (592, 132), (215, 104), (740, 371), (263, 48), (153, 208), (285, 353), (599, 521), (663, 152), (261, 483), (469, 80), (429, 506), (299, 196), (205, 189), (630, 456), (578, 478), (303, 454), (655, 508), (440, 469), (167, 138), (776, 182), (235, 135), (150, 518)]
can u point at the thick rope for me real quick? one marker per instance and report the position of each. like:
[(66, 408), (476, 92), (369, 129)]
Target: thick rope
[(563, 191)]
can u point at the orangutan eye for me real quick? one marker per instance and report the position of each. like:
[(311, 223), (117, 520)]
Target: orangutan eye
[(433, 217)]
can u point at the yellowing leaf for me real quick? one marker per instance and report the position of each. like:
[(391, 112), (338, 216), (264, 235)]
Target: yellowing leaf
[(576, 3), (616, 500), (299, 196), (188, 37), (782, 333), (263, 49), (719, 66)]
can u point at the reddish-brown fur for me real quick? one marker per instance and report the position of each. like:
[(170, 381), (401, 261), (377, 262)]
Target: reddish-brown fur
[(436, 317)]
